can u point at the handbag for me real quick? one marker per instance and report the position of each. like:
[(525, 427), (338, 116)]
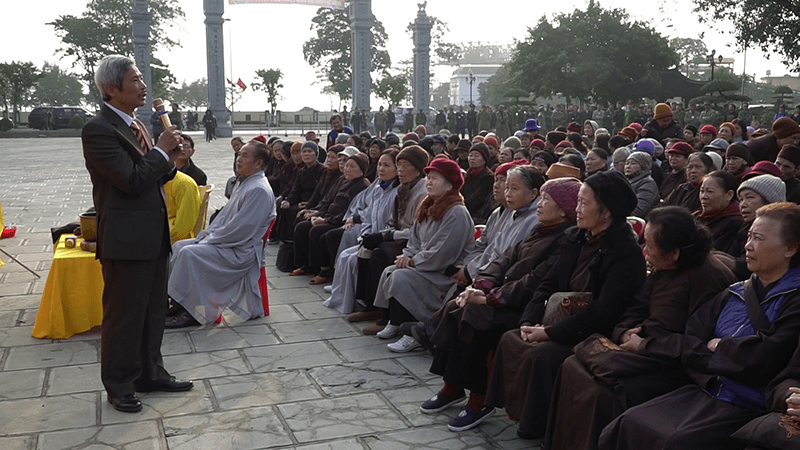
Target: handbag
[(772, 431), (561, 305), (607, 360), (285, 259)]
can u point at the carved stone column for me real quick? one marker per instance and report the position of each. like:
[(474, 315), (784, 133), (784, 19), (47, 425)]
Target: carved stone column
[(420, 89), (215, 60), (140, 16), (361, 20)]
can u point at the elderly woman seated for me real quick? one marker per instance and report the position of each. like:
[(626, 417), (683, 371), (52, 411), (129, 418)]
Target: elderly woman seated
[(478, 183), (687, 194), (637, 171), (309, 252), (420, 281), (733, 347), (516, 189), (642, 357), (467, 328), (720, 211), (600, 264)]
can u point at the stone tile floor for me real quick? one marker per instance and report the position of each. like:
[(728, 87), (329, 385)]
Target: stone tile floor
[(301, 378)]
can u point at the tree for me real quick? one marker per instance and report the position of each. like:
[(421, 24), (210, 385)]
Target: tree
[(607, 49), (194, 94), (392, 88), (773, 26), (688, 50), (57, 88), (781, 93), (329, 50), (270, 83), (18, 80), (105, 28), (719, 91)]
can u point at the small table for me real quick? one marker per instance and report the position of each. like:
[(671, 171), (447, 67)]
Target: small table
[(72, 301)]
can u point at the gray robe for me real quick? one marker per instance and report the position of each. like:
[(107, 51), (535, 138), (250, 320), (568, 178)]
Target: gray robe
[(502, 231), (343, 291), (374, 208), (434, 245), (220, 267)]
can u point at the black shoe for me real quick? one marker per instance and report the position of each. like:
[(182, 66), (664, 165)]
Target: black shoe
[(182, 320), (174, 309), (405, 328), (127, 403), (171, 385)]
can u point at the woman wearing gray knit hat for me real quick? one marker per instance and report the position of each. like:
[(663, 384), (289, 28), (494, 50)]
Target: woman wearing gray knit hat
[(637, 171)]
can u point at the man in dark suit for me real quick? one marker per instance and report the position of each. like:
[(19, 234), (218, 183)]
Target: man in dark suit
[(133, 242)]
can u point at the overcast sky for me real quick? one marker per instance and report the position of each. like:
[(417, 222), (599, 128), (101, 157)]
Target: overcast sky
[(272, 36)]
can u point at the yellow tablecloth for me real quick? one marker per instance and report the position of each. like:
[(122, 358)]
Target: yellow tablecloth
[(72, 301)]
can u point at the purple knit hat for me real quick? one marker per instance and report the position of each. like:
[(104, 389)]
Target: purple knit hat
[(564, 192)]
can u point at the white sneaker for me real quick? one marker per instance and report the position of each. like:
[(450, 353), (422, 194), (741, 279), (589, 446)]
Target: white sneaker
[(389, 332), (405, 344), (328, 288)]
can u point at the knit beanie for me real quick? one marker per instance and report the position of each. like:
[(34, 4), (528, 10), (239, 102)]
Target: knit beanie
[(564, 144), (312, 145), (729, 126), (645, 146), (785, 127), (790, 153), (416, 156), (662, 111), (718, 143), (643, 159), (544, 156), (342, 138), (614, 191), (739, 150), (513, 142), (592, 123), (296, 145), (481, 148), (392, 139), (708, 129), (620, 154), (636, 126), (463, 144), (630, 133), (491, 140), (554, 137), (362, 160), (574, 127), (564, 192), (410, 137), (771, 188), (450, 170), (427, 144), (260, 138), (763, 168), (379, 142), (716, 158), (537, 143), (681, 148), (558, 170)]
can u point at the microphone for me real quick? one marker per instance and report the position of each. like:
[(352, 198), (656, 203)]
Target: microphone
[(158, 105)]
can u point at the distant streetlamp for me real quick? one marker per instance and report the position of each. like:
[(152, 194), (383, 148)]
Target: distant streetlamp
[(713, 62), (470, 78), (568, 70)]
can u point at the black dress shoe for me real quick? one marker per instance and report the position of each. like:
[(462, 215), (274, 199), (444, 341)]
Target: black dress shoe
[(171, 385), (182, 320), (127, 403)]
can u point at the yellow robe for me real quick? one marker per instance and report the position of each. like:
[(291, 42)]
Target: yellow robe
[(183, 206)]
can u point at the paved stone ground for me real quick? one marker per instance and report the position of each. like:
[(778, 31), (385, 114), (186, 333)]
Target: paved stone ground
[(302, 378)]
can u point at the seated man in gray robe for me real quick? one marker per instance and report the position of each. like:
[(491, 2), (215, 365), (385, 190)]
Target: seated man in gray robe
[(220, 267)]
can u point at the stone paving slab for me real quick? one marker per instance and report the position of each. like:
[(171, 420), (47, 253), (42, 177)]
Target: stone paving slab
[(302, 378)]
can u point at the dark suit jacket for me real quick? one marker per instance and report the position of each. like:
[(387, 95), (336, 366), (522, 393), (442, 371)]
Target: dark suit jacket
[(131, 211)]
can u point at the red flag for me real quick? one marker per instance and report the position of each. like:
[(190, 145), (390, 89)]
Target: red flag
[(230, 82), (241, 84)]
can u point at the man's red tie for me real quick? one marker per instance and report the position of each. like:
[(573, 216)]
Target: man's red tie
[(137, 131)]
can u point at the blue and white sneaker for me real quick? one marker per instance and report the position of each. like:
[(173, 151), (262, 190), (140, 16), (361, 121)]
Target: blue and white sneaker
[(439, 402), (468, 419)]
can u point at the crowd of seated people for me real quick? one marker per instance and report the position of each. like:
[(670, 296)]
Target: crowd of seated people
[(589, 332)]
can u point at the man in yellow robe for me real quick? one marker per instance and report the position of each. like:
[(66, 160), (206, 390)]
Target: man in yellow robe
[(183, 206)]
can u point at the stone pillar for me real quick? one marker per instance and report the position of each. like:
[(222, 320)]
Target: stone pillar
[(140, 16), (361, 20), (420, 89), (215, 61)]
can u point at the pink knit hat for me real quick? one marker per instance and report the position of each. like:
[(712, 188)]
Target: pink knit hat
[(564, 192)]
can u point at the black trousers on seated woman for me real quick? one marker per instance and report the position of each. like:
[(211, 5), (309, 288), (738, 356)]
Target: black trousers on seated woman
[(306, 238), (326, 253), (382, 257)]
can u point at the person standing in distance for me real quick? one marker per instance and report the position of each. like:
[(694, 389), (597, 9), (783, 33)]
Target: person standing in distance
[(133, 243)]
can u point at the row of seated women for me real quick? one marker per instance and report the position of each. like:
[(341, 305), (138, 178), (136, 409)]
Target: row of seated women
[(679, 342)]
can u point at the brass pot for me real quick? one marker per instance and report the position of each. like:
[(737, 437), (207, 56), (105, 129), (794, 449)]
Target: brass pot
[(89, 227)]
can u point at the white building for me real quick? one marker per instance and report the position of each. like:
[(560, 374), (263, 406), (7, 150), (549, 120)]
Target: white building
[(460, 86)]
